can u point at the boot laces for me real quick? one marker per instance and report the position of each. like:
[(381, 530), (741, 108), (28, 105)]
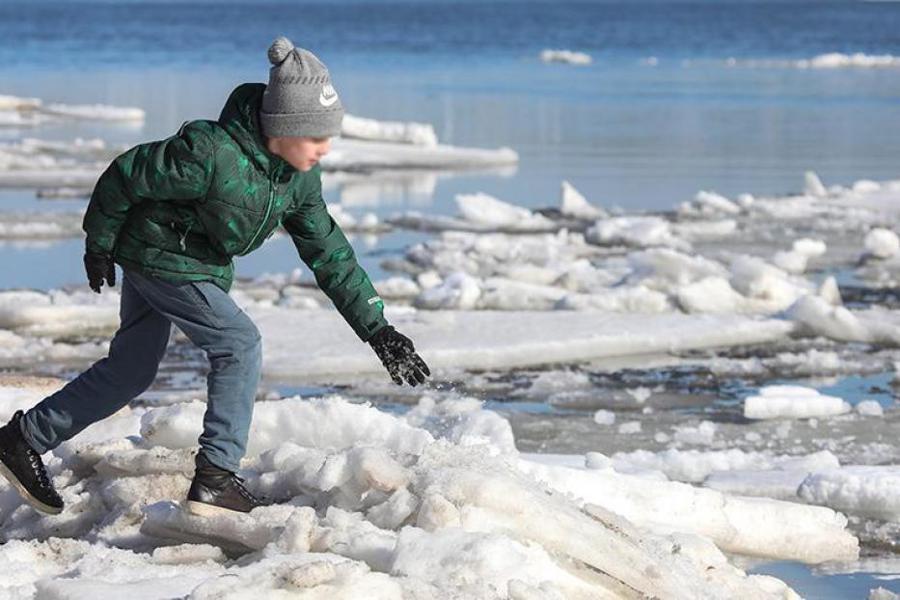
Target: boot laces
[(37, 467), (239, 484)]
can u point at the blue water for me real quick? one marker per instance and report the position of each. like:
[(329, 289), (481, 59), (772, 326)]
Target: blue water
[(817, 587), (413, 33)]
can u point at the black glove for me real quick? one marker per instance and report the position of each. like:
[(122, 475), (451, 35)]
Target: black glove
[(399, 357), (98, 268)]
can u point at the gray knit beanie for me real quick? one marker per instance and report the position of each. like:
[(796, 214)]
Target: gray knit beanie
[(299, 100)]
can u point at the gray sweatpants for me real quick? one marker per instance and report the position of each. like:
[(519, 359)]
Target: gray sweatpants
[(210, 319)]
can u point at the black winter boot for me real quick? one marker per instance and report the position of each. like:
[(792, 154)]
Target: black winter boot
[(217, 491), (23, 467)]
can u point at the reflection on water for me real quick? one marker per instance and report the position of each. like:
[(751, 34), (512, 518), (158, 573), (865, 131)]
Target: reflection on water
[(831, 587)]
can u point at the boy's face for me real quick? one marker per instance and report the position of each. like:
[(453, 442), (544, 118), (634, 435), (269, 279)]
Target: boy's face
[(301, 152)]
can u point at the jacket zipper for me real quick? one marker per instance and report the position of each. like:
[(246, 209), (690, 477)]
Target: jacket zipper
[(265, 219), (181, 236)]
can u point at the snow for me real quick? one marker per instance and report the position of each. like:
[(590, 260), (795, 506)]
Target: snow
[(97, 112), (869, 408), (101, 112), (21, 351), (604, 417), (697, 466), (633, 231), (404, 514), (17, 103), (707, 204), (23, 226), (420, 134), (872, 491), (10, 118), (793, 402), (818, 316), (566, 56), (305, 423), (574, 204), (796, 259), (882, 243), (350, 154), (479, 213), (58, 313), (629, 427), (703, 434), (837, 60), (767, 284), (813, 185), (503, 342), (487, 211), (830, 60), (808, 533)]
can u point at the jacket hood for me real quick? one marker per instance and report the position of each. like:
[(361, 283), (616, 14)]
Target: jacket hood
[(240, 118)]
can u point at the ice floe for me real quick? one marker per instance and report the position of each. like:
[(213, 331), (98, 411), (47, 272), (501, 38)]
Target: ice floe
[(59, 314), (420, 134), (697, 466), (816, 315), (793, 402), (872, 491), (351, 154), (96, 112), (37, 226), (367, 501), (869, 408), (634, 231), (882, 243), (724, 518), (566, 56), (574, 204), (478, 213), (830, 60), (837, 60), (35, 108), (446, 341)]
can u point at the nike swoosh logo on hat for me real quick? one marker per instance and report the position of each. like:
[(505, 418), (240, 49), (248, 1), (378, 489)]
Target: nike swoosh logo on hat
[(328, 96)]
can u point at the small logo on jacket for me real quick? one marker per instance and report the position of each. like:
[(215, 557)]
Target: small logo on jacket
[(328, 95)]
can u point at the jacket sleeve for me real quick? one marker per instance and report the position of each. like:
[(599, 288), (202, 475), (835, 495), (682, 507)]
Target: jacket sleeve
[(177, 168), (325, 250)]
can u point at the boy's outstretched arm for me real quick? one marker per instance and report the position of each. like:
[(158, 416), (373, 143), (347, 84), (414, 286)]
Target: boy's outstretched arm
[(177, 168), (325, 250)]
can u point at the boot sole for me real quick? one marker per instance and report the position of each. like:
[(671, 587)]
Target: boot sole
[(202, 509), (26, 495)]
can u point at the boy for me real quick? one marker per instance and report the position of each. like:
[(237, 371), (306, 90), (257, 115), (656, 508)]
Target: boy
[(173, 213)]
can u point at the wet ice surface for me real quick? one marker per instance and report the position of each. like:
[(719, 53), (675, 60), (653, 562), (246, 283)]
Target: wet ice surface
[(734, 354)]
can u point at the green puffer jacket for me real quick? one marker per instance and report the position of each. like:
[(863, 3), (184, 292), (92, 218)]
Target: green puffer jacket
[(179, 209)]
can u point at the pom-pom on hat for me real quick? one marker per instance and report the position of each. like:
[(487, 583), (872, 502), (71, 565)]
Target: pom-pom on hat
[(299, 100)]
